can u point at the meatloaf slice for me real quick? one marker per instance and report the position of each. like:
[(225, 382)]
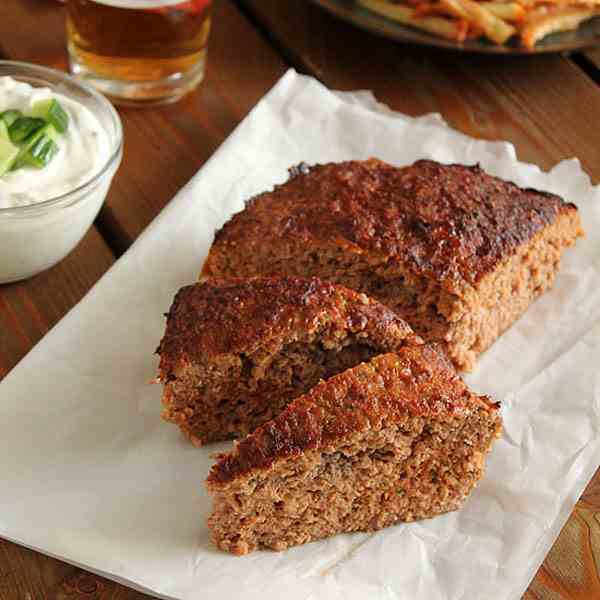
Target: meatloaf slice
[(235, 352), (398, 438), (457, 253)]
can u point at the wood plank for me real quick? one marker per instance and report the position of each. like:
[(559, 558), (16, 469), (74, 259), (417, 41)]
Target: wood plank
[(544, 105), (25, 574), (21, 41), (193, 128), (571, 570), (593, 58), (164, 147), (522, 100)]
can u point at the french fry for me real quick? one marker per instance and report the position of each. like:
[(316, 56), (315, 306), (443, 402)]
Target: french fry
[(527, 4), (449, 29), (428, 9), (497, 20), (456, 9), (530, 5), (536, 12), (494, 28), (434, 8), (463, 30), (507, 11), (562, 19), (474, 33)]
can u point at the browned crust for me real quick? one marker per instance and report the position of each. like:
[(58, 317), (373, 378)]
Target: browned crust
[(225, 316), (450, 223), (506, 293), (417, 381)]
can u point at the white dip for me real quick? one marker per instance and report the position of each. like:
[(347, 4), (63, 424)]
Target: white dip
[(83, 149)]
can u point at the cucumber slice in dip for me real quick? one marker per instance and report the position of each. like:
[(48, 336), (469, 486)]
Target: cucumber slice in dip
[(8, 154), (52, 112), (37, 151), (41, 153), (31, 141), (4, 130), (23, 128), (10, 116)]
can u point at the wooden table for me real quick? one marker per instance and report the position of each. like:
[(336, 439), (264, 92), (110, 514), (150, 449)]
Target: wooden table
[(548, 107)]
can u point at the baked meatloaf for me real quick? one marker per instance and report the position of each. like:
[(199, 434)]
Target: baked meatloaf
[(456, 252), (396, 439), (235, 352)]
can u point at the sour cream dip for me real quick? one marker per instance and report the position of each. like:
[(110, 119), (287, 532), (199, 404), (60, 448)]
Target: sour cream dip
[(82, 151), (45, 211)]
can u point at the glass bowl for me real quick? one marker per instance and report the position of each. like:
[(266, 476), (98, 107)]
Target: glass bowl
[(37, 236)]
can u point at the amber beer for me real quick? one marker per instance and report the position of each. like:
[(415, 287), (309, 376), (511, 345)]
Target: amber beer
[(139, 51)]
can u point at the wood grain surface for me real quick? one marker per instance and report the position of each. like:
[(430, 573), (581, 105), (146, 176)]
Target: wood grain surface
[(28, 575), (193, 128), (571, 570), (593, 57), (164, 146), (546, 106), (522, 100)]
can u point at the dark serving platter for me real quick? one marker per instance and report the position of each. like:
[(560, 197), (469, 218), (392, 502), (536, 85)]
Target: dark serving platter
[(586, 36)]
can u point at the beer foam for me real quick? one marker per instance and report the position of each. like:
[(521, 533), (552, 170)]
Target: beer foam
[(139, 4)]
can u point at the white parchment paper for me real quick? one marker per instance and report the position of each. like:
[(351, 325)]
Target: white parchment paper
[(89, 473)]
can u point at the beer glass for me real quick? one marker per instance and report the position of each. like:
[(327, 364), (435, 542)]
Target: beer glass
[(139, 51)]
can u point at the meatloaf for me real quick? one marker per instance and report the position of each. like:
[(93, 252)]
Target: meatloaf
[(457, 253), (398, 438), (235, 352)]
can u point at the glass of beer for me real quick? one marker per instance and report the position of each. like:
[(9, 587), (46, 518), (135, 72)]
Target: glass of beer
[(139, 51)]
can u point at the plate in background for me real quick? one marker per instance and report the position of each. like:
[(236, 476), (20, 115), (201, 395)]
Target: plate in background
[(586, 36)]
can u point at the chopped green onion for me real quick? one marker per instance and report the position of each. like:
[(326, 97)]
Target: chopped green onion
[(4, 130), (41, 153), (8, 154), (52, 112), (10, 116), (24, 127), (32, 140), (34, 152)]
